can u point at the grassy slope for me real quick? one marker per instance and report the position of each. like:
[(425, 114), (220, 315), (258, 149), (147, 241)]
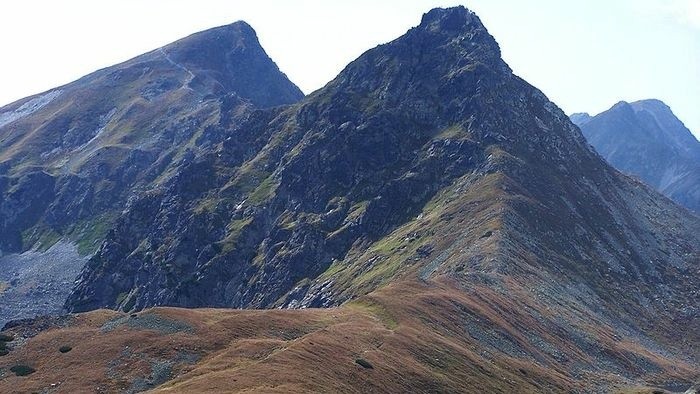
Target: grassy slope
[(412, 333)]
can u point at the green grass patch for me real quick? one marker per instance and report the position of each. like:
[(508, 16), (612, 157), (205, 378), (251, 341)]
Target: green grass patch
[(333, 269), (206, 205), (41, 238), (266, 188), (121, 297), (356, 210), (247, 180), (234, 231), (389, 245), (88, 235), (375, 309)]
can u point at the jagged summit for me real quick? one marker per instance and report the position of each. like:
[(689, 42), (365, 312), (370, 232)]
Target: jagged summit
[(580, 118), (240, 29), (448, 19), (433, 71), (195, 48)]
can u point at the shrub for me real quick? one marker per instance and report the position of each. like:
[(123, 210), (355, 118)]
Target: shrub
[(364, 363), (65, 349), (4, 337), (22, 370)]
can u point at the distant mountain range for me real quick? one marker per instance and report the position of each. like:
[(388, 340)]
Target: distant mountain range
[(443, 226), (646, 139)]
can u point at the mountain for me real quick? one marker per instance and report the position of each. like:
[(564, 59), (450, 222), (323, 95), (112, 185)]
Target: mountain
[(580, 118), (442, 225), (646, 139), (72, 157)]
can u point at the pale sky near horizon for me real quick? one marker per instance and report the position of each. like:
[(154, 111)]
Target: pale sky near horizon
[(584, 55)]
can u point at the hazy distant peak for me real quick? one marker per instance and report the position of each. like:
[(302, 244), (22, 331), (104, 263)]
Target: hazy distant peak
[(622, 106), (646, 139), (651, 103), (580, 118)]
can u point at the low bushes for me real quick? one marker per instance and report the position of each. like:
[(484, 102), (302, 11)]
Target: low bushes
[(364, 363), (22, 370)]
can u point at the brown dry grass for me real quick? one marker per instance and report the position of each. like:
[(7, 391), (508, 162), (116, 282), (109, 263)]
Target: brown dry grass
[(412, 332)]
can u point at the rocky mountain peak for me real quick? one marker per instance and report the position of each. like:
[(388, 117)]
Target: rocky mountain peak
[(622, 106), (230, 59), (431, 73), (673, 129), (580, 118), (653, 103), (457, 25), (452, 19), (238, 35)]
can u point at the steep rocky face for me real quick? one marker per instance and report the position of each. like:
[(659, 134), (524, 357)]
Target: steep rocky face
[(71, 157), (646, 139)]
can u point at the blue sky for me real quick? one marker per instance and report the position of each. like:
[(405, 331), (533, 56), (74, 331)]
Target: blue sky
[(585, 55)]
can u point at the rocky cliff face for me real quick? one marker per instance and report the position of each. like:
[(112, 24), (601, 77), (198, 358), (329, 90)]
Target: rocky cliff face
[(645, 139), (71, 158)]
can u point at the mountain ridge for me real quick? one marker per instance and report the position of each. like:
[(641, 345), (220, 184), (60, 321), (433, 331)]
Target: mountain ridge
[(457, 229)]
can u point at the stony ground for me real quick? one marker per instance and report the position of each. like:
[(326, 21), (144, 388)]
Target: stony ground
[(37, 283)]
